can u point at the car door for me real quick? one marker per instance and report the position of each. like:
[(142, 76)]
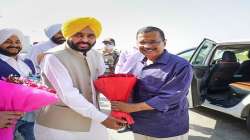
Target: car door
[(200, 64)]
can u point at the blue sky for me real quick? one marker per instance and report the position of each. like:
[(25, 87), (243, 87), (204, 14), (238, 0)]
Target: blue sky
[(185, 22)]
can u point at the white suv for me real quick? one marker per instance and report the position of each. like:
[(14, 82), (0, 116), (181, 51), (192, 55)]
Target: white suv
[(220, 81)]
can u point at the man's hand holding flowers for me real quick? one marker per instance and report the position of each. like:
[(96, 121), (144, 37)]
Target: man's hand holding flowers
[(9, 118)]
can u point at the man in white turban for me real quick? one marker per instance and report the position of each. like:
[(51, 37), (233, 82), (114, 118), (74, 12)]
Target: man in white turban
[(71, 69), (11, 43), (53, 32)]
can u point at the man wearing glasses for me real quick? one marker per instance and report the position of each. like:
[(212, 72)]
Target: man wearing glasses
[(159, 105)]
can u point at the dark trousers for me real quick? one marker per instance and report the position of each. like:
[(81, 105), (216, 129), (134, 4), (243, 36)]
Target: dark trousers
[(26, 129)]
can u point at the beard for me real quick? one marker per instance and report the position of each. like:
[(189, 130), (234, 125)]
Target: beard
[(8, 53), (76, 46), (58, 40)]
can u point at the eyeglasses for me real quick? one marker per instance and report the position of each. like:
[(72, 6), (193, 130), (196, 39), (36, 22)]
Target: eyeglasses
[(152, 43)]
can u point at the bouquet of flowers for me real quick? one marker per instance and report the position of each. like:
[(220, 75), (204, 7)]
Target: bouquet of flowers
[(24, 95), (117, 87)]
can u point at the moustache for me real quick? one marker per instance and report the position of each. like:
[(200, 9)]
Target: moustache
[(19, 48), (83, 43)]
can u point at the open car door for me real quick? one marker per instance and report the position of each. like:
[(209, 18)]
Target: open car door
[(200, 63)]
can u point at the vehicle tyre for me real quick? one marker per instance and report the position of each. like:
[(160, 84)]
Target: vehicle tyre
[(248, 122)]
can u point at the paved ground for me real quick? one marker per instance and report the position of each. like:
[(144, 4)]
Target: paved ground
[(205, 124)]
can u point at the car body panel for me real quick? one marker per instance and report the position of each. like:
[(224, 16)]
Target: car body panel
[(235, 111)]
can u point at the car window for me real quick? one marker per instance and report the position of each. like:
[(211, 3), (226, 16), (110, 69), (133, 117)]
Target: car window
[(187, 54), (242, 56), (202, 53), (217, 56)]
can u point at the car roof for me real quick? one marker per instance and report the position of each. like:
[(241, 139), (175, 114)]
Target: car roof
[(242, 45), (233, 45)]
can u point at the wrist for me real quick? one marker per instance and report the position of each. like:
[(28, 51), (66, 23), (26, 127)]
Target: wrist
[(142, 106), (137, 107)]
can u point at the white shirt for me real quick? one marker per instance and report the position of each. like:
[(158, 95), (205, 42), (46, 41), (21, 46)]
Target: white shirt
[(128, 61), (21, 67), (38, 49), (60, 79)]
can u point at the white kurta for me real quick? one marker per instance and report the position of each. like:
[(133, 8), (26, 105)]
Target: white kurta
[(126, 61), (60, 79), (129, 65), (38, 49)]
